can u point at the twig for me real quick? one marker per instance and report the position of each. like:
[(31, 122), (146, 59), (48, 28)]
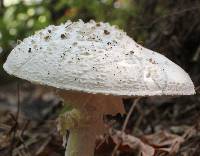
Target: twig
[(21, 134), (41, 149), (26, 124), (125, 125), (26, 144), (197, 89), (106, 136), (129, 114), (25, 147), (15, 118), (18, 101)]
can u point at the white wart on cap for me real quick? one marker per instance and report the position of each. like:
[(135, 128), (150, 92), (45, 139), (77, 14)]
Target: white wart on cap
[(95, 58)]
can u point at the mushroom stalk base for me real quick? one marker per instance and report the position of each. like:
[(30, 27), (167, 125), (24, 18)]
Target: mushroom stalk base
[(84, 126), (85, 120), (81, 142)]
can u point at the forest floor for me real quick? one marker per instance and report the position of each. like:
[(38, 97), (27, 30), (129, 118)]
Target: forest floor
[(158, 126)]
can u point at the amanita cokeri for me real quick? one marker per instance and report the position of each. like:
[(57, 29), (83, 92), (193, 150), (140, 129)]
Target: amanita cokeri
[(93, 65)]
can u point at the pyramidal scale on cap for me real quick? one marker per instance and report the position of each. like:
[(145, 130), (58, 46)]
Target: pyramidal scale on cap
[(94, 58)]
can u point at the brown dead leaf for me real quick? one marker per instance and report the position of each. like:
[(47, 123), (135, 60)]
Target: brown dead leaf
[(164, 142), (4, 141), (132, 143)]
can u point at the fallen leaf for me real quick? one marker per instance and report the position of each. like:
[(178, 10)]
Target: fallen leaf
[(133, 143), (128, 144), (164, 142)]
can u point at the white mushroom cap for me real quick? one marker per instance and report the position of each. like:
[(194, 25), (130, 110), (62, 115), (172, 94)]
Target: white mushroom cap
[(95, 58)]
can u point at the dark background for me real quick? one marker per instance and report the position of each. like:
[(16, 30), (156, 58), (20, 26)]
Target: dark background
[(171, 27)]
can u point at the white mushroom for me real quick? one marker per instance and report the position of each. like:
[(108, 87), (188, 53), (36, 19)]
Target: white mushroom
[(93, 65)]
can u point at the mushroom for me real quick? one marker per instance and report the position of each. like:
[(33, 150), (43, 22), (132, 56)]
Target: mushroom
[(93, 66)]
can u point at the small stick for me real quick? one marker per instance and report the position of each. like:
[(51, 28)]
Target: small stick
[(197, 89), (15, 127), (125, 124), (42, 147)]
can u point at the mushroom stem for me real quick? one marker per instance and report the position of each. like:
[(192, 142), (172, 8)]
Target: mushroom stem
[(84, 126), (81, 142), (85, 120)]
